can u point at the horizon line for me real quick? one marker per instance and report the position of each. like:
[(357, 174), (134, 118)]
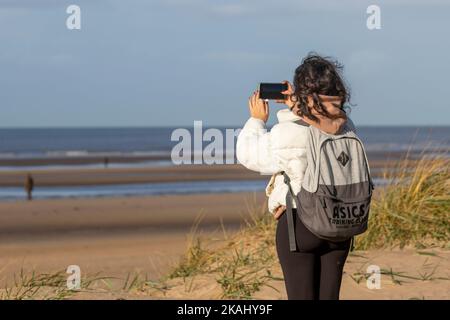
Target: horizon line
[(190, 126)]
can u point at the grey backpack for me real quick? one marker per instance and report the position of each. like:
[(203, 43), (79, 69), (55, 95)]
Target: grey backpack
[(336, 190)]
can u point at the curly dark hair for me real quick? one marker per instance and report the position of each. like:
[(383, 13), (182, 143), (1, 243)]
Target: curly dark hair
[(315, 76)]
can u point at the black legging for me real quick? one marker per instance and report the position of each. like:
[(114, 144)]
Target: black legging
[(314, 271)]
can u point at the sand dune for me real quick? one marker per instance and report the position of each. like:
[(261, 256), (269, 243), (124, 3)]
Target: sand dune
[(147, 236)]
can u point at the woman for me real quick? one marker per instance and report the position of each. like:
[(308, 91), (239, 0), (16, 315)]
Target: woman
[(317, 98)]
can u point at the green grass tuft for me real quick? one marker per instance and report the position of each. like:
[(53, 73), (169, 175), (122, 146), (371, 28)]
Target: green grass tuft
[(413, 209)]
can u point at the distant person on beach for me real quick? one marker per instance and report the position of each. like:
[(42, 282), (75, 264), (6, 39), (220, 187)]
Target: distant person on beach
[(29, 186), (316, 98), (106, 162)]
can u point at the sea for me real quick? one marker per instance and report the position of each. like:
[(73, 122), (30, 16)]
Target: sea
[(71, 148)]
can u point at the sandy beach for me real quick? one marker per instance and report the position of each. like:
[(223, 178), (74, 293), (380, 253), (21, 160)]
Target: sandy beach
[(113, 236), (116, 237), (147, 235)]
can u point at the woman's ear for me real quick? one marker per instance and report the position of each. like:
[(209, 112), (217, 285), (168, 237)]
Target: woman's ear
[(338, 105)]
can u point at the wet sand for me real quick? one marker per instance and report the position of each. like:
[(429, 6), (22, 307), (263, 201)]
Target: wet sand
[(99, 176), (80, 176)]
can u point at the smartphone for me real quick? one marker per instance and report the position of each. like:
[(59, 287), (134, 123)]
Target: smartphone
[(272, 90)]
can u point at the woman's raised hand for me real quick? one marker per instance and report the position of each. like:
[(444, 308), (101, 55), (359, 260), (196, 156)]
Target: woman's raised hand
[(287, 93), (259, 108)]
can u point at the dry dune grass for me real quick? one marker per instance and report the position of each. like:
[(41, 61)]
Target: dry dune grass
[(413, 210)]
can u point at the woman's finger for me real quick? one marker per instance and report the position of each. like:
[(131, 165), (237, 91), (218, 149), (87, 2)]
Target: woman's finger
[(279, 211), (289, 90), (257, 99), (250, 102), (254, 99), (278, 214), (276, 210)]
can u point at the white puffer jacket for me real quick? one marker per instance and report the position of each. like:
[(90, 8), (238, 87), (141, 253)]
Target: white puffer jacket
[(283, 148)]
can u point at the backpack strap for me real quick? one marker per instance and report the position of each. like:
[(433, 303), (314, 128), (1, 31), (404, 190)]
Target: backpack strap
[(290, 214), (302, 123)]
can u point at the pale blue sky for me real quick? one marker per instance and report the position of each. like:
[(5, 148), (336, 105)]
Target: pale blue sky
[(157, 63)]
